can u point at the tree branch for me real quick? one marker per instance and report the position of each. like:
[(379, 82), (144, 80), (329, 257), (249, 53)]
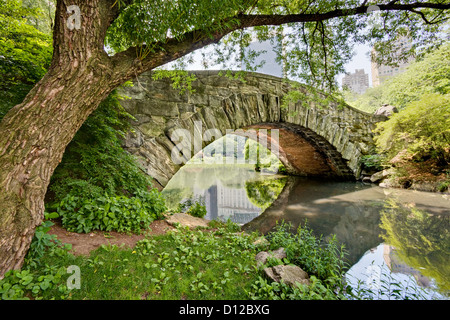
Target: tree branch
[(173, 49)]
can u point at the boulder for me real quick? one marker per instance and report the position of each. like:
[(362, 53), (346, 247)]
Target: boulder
[(386, 110), (262, 256), (288, 274), (381, 175), (186, 220), (261, 241)]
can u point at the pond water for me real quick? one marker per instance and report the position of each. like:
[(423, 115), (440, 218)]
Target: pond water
[(391, 236)]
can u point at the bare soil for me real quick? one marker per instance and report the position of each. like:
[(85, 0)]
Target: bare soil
[(84, 243)]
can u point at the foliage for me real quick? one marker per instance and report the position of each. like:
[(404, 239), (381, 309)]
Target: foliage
[(181, 79), (262, 289), (95, 162), (263, 193), (313, 51), (98, 185), (422, 240), (25, 53), (44, 243), (183, 264), (195, 208), (44, 14), (372, 162), (262, 157), (429, 75), (36, 277), (325, 260), (422, 128), (119, 213)]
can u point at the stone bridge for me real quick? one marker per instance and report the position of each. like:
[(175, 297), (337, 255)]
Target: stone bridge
[(313, 140)]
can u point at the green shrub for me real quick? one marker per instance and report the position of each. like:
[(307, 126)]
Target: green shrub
[(118, 213), (422, 129), (195, 208), (372, 162), (323, 259), (36, 277), (427, 76), (94, 162)]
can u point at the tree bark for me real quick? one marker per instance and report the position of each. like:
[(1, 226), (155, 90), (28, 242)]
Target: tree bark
[(34, 134)]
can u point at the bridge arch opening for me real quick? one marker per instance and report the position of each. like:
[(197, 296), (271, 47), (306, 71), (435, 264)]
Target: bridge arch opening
[(313, 141)]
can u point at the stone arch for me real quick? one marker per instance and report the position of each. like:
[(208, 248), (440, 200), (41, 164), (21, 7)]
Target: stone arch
[(330, 141)]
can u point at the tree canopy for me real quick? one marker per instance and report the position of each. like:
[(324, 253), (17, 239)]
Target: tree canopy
[(314, 39)]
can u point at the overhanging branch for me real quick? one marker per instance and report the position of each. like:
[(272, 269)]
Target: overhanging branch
[(173, 49)]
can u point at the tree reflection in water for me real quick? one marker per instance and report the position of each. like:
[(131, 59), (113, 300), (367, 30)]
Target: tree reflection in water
[(421, 240)]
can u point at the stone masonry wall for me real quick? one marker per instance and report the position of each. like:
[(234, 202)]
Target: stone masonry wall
[(343, 134)]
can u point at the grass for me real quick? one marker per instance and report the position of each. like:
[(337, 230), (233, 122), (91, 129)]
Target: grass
[(217, 263), (182, 264)]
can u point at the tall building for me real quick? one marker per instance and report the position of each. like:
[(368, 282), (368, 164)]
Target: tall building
[(381, 73), (357, 82)]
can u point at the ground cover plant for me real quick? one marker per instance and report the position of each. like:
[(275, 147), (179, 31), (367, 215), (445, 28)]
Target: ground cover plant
[(202, 264)]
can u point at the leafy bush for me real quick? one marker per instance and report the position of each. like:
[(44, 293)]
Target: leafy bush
[(94, 162), (372, 162), (316, 257), (195, 208), (422, 129), (119, 213), (44, 243), (36, 277)]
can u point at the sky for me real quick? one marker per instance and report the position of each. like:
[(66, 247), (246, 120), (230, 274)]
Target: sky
[(361, 60)]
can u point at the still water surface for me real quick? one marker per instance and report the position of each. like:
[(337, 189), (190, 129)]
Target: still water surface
[(386, 242)]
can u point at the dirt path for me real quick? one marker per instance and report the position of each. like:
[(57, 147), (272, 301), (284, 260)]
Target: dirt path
[(84, 243)]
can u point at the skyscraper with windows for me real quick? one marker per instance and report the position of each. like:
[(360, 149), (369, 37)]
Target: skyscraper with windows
[(381, 73), (357, 82)]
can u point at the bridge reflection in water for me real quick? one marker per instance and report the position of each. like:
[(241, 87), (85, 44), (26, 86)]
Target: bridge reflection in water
[(351, 211)]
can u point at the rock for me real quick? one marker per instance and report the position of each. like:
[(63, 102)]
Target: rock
[(261, 241), (262, 256), (377, 177), (386, 110), (381, 175), (288, 274), (186, 220)]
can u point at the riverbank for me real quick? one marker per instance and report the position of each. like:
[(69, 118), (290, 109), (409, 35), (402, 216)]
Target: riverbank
[(420, 176)]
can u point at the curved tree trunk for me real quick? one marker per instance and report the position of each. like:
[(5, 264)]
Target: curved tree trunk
[(34, 134), (33, 140)]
